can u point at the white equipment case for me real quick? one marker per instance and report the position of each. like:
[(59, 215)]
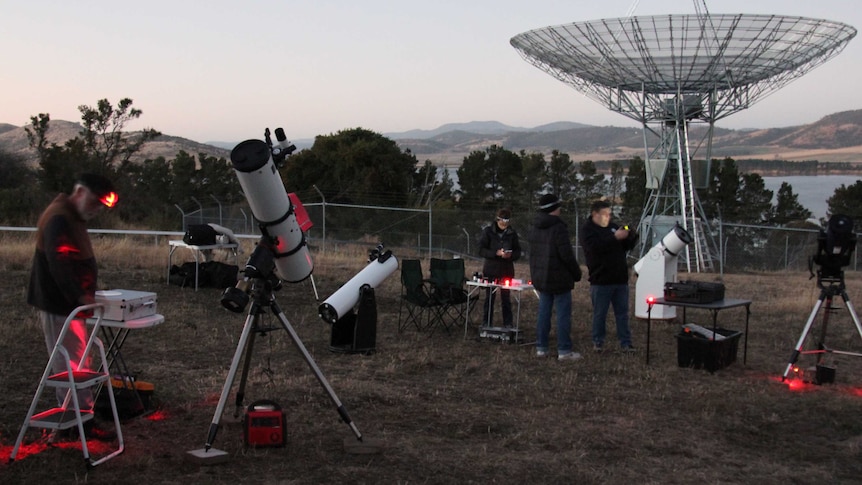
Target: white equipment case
[(123, 305)]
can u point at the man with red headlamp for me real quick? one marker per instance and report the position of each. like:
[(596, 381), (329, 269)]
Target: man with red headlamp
[(64, 271)]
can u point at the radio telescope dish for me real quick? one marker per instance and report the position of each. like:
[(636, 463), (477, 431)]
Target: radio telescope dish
[(667, 71)]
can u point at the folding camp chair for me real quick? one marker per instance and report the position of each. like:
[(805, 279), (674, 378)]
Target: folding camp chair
[(422, 309), (447, 288)]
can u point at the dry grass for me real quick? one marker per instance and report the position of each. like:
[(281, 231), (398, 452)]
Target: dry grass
[(450, 410)]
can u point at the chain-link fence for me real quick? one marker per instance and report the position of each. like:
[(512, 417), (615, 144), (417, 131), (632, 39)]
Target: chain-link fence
[(434, 230)]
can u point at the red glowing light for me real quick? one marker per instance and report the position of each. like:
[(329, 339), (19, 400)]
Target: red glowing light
[(158, 415), (650, 300), (507, 282), (67, 249), (110, 199)]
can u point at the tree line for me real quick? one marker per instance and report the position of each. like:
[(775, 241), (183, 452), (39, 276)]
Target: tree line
[(360, 167)]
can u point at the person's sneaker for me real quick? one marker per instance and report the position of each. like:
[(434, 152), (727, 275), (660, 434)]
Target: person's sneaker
[(541, 353), (628, 349), (597, 348), (569, 356)]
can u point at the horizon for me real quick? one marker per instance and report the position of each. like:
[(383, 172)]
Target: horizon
[(323, 67)]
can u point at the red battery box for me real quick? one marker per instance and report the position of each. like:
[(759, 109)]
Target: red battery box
[(263, 425)]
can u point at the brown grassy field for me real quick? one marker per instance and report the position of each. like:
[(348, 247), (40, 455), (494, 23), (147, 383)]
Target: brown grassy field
[(448, 410)]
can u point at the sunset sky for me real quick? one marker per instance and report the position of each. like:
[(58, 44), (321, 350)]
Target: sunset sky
[(225, 70)]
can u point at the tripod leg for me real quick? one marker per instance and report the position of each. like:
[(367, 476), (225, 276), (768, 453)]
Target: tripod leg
[(852, 312), (795, 356), (827, 310), (311, 364), (250, 322), (240, 392)]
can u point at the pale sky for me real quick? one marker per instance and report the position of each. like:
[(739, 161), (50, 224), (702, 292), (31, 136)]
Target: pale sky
[(221, 70)]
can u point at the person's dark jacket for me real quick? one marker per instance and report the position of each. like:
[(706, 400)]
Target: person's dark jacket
[(491, 240), (64, 269), (553, 266), (605, 255)]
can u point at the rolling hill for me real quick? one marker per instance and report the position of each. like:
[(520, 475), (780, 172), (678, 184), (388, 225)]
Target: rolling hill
[(834, 138)]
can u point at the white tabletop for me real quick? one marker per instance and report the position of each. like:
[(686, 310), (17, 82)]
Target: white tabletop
[(143, 322), (513, 287), (182, 244)]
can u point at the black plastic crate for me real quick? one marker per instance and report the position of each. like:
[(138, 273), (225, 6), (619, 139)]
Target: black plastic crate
[(701, 353)]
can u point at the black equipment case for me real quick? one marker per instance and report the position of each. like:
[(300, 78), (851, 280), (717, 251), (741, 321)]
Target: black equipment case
[(693, 291)]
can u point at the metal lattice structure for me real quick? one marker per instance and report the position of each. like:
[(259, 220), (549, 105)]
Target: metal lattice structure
[(671, 70)]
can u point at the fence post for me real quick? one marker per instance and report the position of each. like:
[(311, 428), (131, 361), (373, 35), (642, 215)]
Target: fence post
[(323, 216)]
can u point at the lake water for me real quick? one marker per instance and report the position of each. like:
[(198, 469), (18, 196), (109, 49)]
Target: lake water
[(811, 190)]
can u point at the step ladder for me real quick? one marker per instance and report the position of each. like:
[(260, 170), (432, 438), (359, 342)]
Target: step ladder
[(70, 414)]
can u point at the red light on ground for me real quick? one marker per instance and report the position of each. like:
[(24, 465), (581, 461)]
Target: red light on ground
[(26, 449), (855, 391), (797, 385), (507, 282), (158, 415)]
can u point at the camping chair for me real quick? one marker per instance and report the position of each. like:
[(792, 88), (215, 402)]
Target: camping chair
[(415, 297), (447, 288)]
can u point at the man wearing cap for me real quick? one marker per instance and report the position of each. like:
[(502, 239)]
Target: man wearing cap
[(500, 248), (554, 272), (64, 272)]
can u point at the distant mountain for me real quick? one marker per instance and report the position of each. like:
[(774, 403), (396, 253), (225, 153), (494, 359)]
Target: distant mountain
[(837, 137), (301, 144), (13, 140), (480, 128)]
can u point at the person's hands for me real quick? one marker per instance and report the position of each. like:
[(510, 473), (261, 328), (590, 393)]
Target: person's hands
[(621, 234)]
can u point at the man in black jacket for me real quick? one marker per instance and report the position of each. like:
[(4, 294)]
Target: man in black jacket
[(500, 248), (554, 271), (605, 246)]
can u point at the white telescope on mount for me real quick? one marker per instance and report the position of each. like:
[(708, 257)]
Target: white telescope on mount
[(261, 183), (346, 297), (657, 267)]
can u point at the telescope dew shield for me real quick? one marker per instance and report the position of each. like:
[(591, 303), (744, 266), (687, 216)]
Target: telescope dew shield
[(271, 206), (676, 240), (345, 298)]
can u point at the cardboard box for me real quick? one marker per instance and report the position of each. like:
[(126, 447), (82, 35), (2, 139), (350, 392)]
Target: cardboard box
[(124, 305), (701, 353)]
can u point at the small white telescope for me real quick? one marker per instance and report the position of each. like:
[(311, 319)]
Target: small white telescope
[(657, 267), (346, 297)]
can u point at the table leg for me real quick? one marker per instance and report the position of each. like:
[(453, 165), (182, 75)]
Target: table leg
[(648, 329), (170, 263), (745, 346), (197, 267)]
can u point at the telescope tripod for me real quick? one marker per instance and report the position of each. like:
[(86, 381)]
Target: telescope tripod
[(263, 298), (830, 287)]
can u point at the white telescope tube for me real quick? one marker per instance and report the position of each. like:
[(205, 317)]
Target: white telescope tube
[(264, 190), (346, 297)]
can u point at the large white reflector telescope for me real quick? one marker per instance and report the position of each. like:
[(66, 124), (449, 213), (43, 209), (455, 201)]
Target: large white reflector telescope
[(271, 206)]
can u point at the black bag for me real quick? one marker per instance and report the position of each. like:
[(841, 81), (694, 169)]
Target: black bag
[(216, 274), (200, 235), (183, 275)]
